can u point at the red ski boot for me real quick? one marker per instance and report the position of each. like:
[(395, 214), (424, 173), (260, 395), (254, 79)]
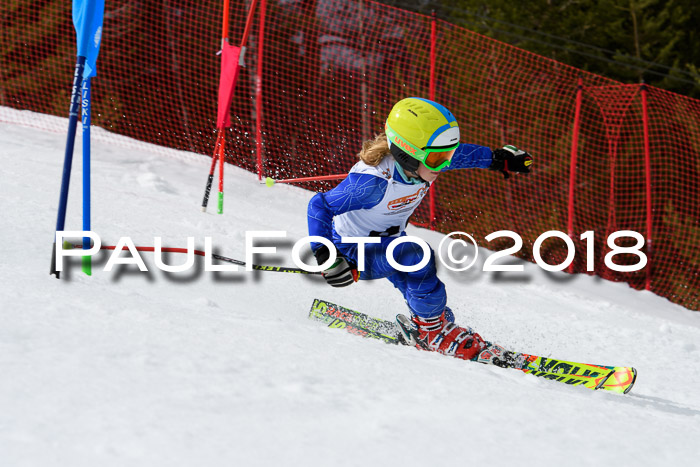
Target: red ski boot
[(440, 335)]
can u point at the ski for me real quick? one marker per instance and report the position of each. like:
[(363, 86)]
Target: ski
[(610, 378), (335, 316), (615, 379)]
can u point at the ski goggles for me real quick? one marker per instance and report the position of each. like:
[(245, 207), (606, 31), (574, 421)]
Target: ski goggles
[(434, 159)]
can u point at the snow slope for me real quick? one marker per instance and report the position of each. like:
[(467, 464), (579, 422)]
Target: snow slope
[(202, 368)]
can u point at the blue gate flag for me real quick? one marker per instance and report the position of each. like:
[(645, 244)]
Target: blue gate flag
[(87, 19)]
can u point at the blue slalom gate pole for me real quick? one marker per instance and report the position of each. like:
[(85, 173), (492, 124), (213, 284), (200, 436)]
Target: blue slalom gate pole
[(87, 260), (87, 19), (68, 156)]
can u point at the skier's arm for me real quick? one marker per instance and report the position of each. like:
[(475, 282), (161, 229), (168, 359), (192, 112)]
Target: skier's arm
[(508, 159), (471, 156), (357, 191)]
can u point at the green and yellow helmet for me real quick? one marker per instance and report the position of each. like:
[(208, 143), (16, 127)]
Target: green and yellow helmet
[(421, 131)]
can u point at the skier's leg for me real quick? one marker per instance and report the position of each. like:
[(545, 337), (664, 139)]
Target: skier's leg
[(431, 326), (423, 291), (428, 328), (399, 281)]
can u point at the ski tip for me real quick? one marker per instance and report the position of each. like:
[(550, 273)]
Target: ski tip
[(620, 380), (602, 382)]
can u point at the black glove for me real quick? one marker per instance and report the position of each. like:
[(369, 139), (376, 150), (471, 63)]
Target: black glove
[(340, 274), (511, 159)]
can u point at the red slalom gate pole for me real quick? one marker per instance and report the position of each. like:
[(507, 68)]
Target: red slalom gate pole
[(224, 24), (230, 63), (248, 23), (221, 152)]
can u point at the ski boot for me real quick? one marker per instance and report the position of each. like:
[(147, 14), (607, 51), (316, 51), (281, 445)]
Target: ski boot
[(440, 334)]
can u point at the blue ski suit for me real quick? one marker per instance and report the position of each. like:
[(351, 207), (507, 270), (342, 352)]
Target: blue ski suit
[(361, 192)]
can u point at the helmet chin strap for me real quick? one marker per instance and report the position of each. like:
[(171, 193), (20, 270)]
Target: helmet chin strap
[(407, 164), (408, 176)]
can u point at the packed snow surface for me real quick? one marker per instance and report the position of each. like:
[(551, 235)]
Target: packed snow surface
[(202, 368)]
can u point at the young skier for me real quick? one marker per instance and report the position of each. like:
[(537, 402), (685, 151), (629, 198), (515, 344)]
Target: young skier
[(377, 198)]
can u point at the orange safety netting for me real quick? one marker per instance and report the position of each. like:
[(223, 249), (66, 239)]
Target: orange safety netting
[(330, 72)]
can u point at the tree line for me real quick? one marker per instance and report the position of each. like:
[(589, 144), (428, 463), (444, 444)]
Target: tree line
[(626, 40)]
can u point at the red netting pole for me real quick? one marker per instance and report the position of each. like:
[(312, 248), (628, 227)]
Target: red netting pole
[(647, 173), (572, 166), (258, 91), (431, 96), (613, 140)]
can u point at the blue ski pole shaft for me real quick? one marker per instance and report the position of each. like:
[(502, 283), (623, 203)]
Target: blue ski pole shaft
[(68, 158), (87, 260)]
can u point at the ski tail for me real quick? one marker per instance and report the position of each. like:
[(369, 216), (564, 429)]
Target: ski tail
[(354, 322)]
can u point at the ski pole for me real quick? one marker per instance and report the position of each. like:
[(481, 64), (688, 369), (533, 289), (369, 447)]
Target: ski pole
[(210, 178), (271, 181), (256, 267)]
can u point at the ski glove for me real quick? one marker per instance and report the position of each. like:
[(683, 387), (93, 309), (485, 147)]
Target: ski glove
[(511, 159), (340, 274)]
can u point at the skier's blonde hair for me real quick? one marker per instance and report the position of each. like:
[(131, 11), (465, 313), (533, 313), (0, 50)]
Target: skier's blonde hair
[(374, 150)]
